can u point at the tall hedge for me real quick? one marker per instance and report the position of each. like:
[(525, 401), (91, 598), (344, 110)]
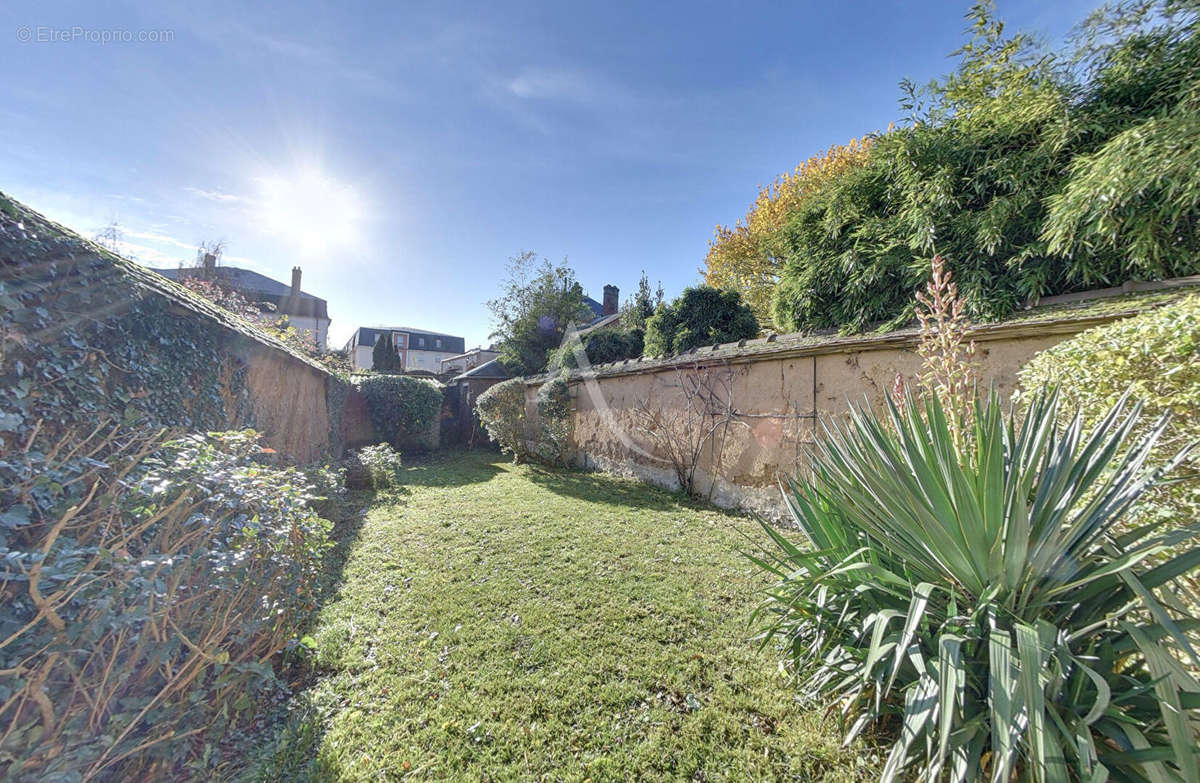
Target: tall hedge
[(601, 346), (404, 410), (1031, 173)]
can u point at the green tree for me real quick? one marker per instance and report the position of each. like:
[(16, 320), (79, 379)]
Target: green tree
[(639, 307), (384, 356), (1136, 196), (538, 301), (702, 315)]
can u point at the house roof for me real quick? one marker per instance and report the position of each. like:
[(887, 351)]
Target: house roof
[(604, 320), (258, 287), (471, 352), (368, 334), (487, 370)]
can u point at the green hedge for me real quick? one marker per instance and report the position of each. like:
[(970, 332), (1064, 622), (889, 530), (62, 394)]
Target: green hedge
[(1156, 358), (404, 410), (147, 590)]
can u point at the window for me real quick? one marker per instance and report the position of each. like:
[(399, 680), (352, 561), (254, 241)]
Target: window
[(398, 340), (420, 342), (437, 343)]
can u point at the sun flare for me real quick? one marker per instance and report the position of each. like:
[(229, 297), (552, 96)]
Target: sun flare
[(312, 211)]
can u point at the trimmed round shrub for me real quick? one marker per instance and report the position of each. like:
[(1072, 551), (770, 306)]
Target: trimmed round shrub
[(1155, 357), (403, 410), (501, 411)]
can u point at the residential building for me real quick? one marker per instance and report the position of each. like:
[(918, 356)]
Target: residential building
[(419, 349), (469, 360), (304, 311)]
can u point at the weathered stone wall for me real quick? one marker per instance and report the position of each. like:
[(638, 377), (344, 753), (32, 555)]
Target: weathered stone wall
[(782, 388)]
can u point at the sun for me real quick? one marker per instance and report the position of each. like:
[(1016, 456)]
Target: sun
[(311, 210)]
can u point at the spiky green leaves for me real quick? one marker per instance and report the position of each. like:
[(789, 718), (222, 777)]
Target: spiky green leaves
[(986, 602)]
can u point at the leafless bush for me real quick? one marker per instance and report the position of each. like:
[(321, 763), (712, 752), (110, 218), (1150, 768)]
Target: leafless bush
[(680, 433)]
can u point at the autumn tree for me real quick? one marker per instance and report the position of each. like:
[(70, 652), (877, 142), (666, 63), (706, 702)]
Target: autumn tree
[(747, 257)]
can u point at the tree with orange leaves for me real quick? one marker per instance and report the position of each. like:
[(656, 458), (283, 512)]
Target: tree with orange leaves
[(748, 256)]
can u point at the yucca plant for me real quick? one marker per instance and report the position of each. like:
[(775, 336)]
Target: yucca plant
[(985, 604)]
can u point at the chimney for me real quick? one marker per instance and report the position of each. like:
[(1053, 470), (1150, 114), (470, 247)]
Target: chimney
[(611, 293), (293, 302)]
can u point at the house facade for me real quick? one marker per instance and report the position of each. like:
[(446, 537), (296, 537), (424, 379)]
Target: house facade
[(304, 311), (468, 361), (418, 349)]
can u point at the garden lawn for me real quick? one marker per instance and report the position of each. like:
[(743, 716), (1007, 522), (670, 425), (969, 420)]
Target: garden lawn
[(499, 622)]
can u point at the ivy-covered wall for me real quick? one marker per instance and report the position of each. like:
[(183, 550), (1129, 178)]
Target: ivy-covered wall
[(86, 336)]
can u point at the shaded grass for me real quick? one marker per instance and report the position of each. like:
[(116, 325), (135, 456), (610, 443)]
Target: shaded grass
[(502, 622)]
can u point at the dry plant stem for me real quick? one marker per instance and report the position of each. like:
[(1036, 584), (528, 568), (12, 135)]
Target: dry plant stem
[(949, 370)]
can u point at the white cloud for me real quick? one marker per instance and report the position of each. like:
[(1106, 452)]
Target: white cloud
[(562, 84), (157, 237), (216, 195)]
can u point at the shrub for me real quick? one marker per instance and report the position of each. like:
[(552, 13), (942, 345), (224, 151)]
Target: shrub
[(403, 410), (146, 589), (1155, 358), (600, 346), (982, 602), (501, 410), (554, 416), (702, 315), (374, 467)]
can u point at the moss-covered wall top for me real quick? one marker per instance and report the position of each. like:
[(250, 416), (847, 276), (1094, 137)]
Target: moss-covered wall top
[(86, 335)]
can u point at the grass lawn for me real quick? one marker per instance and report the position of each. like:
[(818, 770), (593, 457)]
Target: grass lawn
[(500, 622)]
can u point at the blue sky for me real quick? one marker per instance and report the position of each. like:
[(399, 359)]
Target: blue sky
[(401, 152)]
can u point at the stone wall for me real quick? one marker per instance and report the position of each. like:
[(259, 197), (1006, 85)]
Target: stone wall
[(783, 387)]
